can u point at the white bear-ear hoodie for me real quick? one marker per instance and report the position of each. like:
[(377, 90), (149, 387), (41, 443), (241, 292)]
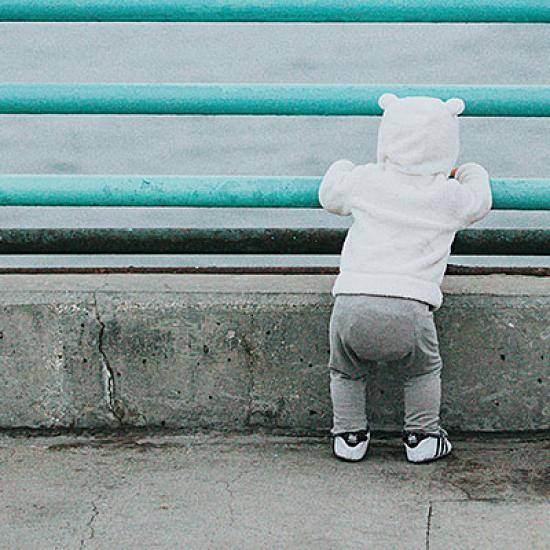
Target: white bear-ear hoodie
[(405, 207)]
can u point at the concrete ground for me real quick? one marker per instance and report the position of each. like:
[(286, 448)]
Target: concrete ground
[(265, 491)]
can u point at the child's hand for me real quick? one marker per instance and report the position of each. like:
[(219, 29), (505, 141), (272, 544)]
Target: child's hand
[(453, 172)]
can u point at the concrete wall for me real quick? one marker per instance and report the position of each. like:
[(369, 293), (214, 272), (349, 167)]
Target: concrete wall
[(242, 351)]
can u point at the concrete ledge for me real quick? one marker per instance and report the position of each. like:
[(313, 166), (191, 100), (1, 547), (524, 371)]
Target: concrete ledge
[(238, 351)]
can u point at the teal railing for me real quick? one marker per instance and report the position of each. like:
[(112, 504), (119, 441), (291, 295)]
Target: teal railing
[(216, 191), (249, 99), (321, 11), (258, 99)]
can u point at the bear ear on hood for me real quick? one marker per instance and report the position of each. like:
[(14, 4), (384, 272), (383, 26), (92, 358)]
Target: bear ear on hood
[(455, 106), (385, 100)]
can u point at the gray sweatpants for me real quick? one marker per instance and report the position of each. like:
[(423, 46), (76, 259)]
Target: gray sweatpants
[(366, 329)]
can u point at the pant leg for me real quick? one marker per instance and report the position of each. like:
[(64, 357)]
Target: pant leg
[(347, 377), (364, 330), (422, 388), (349, 404)]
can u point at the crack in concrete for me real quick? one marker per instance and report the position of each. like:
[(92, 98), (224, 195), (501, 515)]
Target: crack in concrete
[(480, 499), (250, 404), (227, 483), (457, 486), (249, 359), (456, 500), (90, 525), (429, 525), (107, 374)]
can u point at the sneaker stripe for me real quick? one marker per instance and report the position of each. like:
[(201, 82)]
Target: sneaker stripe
[(431, 446), (444, 446)]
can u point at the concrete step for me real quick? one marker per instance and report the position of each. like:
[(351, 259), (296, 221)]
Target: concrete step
[(250, 351)]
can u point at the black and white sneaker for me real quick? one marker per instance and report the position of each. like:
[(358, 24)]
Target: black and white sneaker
[(351, 446), (423, 447)]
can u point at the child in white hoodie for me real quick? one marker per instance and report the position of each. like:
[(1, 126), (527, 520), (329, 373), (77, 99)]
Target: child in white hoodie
[(407, 208)]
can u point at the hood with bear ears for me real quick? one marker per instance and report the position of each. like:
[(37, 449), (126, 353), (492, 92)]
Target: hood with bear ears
[(419, 135)]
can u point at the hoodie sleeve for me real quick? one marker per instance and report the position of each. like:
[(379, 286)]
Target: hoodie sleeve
[(474, 193), (335, 189)]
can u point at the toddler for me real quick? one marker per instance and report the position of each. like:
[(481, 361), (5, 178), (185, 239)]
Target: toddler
[(407, 208)]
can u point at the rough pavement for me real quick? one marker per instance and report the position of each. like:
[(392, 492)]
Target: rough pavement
[(265, 491)]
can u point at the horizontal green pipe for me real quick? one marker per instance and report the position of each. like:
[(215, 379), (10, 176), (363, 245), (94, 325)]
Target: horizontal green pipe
[(258, 99), (520, 11), (183, 240), (216, 191)]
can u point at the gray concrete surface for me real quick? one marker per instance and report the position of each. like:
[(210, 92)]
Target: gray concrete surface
[(243, 352), (259, 491)]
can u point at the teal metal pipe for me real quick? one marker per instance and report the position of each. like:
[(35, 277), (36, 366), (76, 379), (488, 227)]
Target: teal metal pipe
[(215, 191), (259, 99), (443, 11)]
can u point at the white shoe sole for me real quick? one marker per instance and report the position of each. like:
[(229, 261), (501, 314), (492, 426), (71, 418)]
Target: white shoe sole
[(347, 453)]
